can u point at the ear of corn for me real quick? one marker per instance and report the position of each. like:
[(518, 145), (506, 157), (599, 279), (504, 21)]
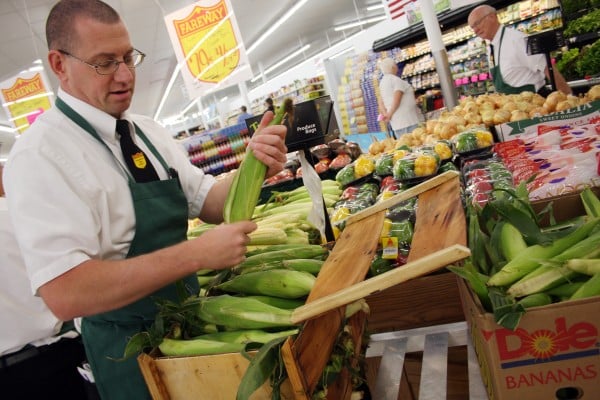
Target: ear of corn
[(529, 259), (267, 235), (589, 288), (279, 302), (247, 336), (591, 203), (195, 347), (275, 282), (587, 266), (306, 251), (241, 313), (511, 241), (535, 300), (547, 276), (247, 183), (564, 291)]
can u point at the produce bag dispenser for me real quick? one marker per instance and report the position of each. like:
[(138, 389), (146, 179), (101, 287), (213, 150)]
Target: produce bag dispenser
[(544, 43)]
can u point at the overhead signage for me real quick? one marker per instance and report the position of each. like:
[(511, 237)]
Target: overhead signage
[(208, 46), (25, 97)]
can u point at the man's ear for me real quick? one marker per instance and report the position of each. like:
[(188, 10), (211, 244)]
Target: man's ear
[(56, 60)]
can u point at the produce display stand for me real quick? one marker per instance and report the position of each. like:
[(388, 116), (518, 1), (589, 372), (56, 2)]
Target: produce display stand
[(439, 240)]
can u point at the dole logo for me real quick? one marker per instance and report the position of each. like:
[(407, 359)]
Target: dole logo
[(544, 343)]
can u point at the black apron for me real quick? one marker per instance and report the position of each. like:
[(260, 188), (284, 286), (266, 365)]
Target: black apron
[(499, 83), (161, 214)]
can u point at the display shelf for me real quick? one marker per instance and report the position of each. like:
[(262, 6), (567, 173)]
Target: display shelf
[(218, 151)]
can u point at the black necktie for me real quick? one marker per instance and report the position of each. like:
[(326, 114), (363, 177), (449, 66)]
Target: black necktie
[(137, 162), (492, 57)]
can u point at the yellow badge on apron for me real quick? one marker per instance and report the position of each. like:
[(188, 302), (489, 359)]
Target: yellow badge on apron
[(139, 160)]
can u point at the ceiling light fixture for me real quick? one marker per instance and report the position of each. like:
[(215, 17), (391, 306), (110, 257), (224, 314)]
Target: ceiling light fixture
[(359, 23), (374, 7), (286, 59), (339, 53), (276, 25), (6, 129)]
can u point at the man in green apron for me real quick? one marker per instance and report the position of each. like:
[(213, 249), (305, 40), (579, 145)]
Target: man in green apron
[(100, 198), (513, 70)]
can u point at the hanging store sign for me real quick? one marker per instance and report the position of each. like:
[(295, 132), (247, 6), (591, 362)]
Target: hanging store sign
[(411, 9), (25, 97), (209, 47)]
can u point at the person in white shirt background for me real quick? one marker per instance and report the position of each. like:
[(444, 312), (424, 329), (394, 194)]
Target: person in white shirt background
[(39, 355), (513, 70), (397, 103)]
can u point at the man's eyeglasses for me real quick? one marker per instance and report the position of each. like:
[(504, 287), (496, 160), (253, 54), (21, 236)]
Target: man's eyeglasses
[(108, 67), (476, 24)]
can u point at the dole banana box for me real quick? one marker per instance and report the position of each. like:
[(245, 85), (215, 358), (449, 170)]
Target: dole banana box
[(553, 354)]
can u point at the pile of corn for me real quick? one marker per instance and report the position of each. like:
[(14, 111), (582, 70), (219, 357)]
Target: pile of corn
[(517, 264)]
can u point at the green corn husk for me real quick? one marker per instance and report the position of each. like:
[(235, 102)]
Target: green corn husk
[(245, 189), (588, 289), (530, 258), (305, 251), (241, 313), (197, 347), (285, 283), (247, 336)]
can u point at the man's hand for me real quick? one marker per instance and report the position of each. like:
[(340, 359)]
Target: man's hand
[(224, 246), (268, 144)]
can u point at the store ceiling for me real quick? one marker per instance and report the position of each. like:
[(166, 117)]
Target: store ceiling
[(22, 39)]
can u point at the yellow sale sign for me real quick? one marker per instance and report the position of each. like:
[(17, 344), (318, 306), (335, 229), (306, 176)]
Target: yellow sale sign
[(25, 97), (208, 46)]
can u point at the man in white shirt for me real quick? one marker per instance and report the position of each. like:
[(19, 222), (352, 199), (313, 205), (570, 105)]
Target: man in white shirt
[(515, 71), (397, 104), (100, 198), (37, 360)]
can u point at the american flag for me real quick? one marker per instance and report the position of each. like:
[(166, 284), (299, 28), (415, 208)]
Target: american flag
[(396, 7)]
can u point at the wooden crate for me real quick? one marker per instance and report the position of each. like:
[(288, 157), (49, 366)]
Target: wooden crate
[(214, 377), (439, 239), (433, 299)]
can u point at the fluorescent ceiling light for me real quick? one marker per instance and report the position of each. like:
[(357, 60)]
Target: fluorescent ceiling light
[(223, 99), (339, 53), (276, 25), (286, 59), (374, 7), (6, 129), (358, 23)]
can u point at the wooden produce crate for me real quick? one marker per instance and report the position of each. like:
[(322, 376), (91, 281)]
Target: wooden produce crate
[(214, 377), (342, 277), (433, 299)]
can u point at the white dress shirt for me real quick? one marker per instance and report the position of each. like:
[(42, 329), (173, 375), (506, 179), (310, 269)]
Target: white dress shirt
[(69, 197), (517, 67), (24, 318)]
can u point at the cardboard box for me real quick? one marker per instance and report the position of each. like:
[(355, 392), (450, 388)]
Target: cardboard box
[(554, 350), (583, 114), (214, 377)]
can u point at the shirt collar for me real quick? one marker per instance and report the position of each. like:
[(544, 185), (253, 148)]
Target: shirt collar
[(104, 124), (496, 40)]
